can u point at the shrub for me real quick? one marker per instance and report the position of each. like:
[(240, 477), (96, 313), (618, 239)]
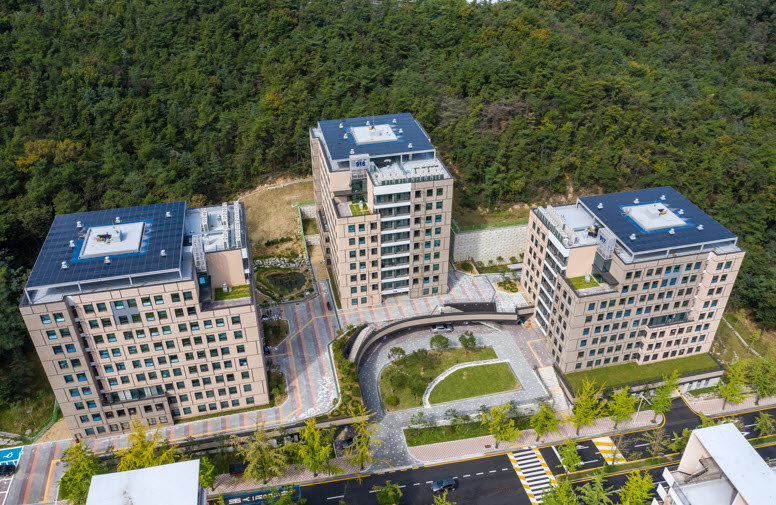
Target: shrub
[(466, 266), (356, 391), (512, 259), (391, 401), (276, 241), (440, 342)]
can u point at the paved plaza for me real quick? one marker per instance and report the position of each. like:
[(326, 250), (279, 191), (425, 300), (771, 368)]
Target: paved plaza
[(394, 449)]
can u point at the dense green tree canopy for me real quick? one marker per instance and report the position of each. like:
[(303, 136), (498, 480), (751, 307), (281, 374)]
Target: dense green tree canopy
[(106, 104)]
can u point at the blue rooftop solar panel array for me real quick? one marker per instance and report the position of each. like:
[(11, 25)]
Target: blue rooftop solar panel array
[(162, 233), (339, 147), (613, 218)]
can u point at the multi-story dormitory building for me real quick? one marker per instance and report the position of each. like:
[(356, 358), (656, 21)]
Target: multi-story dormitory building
[(639, 276), (123, 308), (384, 203)]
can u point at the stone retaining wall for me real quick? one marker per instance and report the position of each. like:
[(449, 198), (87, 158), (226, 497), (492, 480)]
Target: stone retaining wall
[(307, 211), (312, 239), (489, 244)]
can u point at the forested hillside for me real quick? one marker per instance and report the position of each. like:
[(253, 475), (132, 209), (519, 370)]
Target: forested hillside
[(123, 102)]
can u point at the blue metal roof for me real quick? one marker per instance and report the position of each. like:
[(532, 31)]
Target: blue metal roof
[(612, 216), (160, 232), (339, 147)]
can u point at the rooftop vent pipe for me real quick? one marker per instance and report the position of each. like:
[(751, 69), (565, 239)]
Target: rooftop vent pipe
[(633, 236), (600, 205), (64, 265), (168, 214), (107, 260), (72, 244)]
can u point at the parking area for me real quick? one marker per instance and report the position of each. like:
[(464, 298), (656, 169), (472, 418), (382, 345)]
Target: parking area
[(8, 457)]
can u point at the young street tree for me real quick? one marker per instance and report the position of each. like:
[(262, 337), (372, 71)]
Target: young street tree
[(569, 457), (284, 496), (637, 489), (734, 388), (588, 406), (389, 494), (146, 452), (440, 342), (468, 341), (264, 459), (441, 499), (82, 465), (544, 421), (500, 425), (315, 449), (396, 353), (761, 373), (621, 406), (594, 492), (360, 453), (657, 441), (661, 401), (560, 494), (765, 425)]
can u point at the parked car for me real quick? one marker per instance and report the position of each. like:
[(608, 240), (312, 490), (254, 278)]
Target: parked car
[(440, 486), (442, 328), (7, 470)]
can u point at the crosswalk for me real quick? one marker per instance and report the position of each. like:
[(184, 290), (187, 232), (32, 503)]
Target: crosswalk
[(608, 450), (534, 473)]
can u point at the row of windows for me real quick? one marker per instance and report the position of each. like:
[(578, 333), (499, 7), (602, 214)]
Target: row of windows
[(145, 301), (605, 328), (149, 362), (165, 374), (107, 322), (154, 332), (676, 268), (663, 283), (132, 349), (212, 406), (635, 357)]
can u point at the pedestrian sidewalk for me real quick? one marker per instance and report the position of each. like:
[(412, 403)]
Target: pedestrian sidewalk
[(714, 406), (295, 474), (469, 447)]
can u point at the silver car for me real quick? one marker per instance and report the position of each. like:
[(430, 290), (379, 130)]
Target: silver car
[(442, 328)]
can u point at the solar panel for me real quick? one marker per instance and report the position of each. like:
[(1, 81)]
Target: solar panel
[(616, 212), (406, 130), (158, 232)]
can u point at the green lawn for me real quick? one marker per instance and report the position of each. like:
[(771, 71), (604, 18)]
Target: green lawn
[(474, 381), (356, 210), (632, 373), (309, 226), (242, 291), (440, 361), (581, 283)]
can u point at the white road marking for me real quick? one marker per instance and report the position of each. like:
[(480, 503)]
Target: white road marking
[(480, 473), (416, 484), (492, 471), (429, 482), (403, 486), (468, 475), (750, 425), (335, 497), (588, 462), (504, 469), (641, 445)]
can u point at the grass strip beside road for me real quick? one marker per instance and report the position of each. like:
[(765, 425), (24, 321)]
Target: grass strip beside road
[(634, 374), (474, 381), (470, 427)]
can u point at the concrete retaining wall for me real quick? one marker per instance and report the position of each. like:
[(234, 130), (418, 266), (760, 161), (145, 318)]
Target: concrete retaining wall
[(312, 239), (489, 244), (307, 211)]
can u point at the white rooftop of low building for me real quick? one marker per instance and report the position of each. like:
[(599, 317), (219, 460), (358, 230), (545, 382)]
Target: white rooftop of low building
[(119, 238), (376, 134), (741, 464), (213, 236), (173, 484)]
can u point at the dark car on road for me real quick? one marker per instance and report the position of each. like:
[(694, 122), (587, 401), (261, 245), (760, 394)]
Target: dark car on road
[(440, 486), (7, 470)]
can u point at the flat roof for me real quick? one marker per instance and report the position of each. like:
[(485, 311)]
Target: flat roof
[(173, 484), (637, 213), (146, 231), (741, 464), (393, 134)]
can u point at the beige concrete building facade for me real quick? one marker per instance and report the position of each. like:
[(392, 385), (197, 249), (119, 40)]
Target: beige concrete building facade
[(639, 276), (128, 313), (384, 207)]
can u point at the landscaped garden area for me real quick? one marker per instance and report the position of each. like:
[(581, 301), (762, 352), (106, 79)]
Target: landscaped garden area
[(346, 373), (275, 332), (404, 381), (474, 381), (631, 373), (290, 280), (423, 432), (581, 282), (359, 209), (508, 285)]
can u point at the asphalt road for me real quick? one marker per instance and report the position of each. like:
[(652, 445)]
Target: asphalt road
[(490, 480)]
